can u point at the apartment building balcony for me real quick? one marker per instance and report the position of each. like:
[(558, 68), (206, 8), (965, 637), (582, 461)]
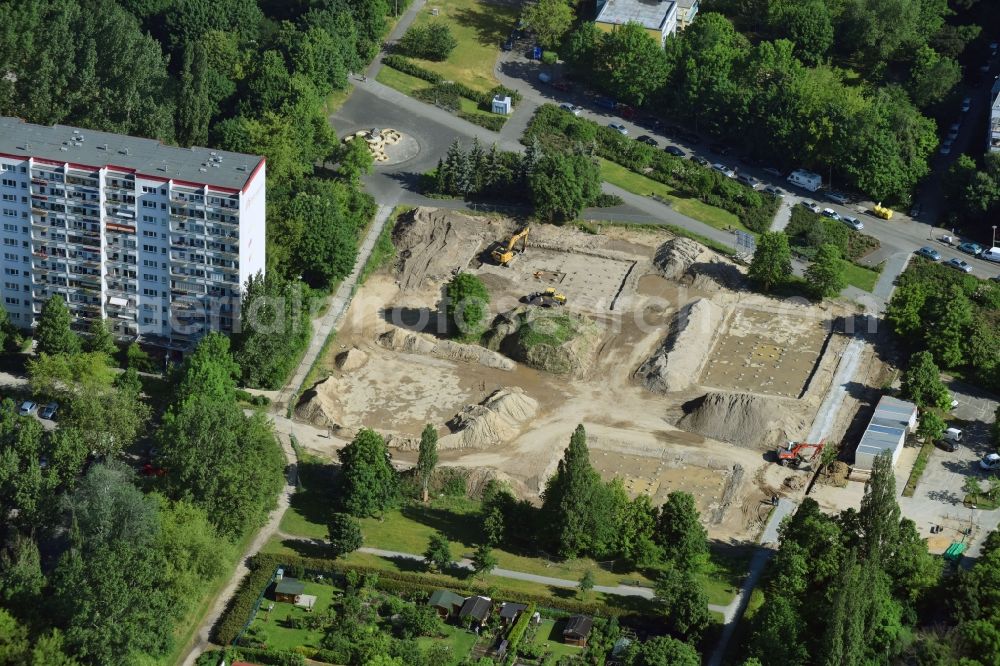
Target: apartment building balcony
[(224, 252)]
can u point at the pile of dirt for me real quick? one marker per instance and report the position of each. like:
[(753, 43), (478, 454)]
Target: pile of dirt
[(433, 242), (318, 407), (399, 339), (748, 421), (677, 363), (689, 261), (552, 340), (350, 360), (496, 420)]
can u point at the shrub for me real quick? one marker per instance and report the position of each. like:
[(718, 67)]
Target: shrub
[(445, 95), (607, 200), (807, 231), (406, 66), (549, 57), (494, 123), (271, 657), (517, 631)]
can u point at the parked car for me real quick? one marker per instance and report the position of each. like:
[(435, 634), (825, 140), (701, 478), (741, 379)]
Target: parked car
[(948, 445), (966, 104), (675, 151), (724, 170), (990, 461), (970, 248), (625, 111), (830, 213), (811, 205), (508, 45), (953, 131), (606, 102), (948, 240), (929, 253), (564, 86), (852, 222), (719, 149), (958, 265), (749, 181), (945, 148), (774, 191), (618, 127), (773, 171), (648, 140), (566, 106), (28, 407), (698, 159), (837, 197), (49, 410)]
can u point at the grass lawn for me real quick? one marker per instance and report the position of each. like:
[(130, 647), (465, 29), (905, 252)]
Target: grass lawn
[(919, 465), (722, 576), (282, 637), (400, 81), (860, 277), (479, 27), (636, 183), (458, 639), (549, 637), (336, 99)]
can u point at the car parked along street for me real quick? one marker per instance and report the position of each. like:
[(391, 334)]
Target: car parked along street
[(929, 253), (958, 265)]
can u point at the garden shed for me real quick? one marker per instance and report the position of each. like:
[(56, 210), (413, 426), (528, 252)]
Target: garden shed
[(288, 590), (502, 105), (476, 608), (577, 630), (445, 603)]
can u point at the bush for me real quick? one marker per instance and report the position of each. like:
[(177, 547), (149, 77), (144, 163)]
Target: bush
[(492, 122), (807, 231), (607, 200), (549, 57), (517, 631), (433, 41), (406, 66), (271, 657), (445, 95)]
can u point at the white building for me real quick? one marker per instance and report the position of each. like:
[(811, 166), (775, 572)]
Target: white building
[(686, 11), (157, 239), (993, 131), (886, 432), (657, 17)]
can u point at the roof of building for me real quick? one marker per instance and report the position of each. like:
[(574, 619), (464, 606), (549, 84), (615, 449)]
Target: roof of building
[(476, 607), (578, 625), (509, 609), (289, 586), (445, 599), (650, 14), (887, 428), (686, 4), (147, 157)]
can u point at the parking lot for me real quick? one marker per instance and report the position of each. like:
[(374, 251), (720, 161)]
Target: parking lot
[(938, 499)]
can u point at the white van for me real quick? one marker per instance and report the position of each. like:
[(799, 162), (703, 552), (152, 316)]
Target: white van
[(992, 254), (954, 434), (805, 179)]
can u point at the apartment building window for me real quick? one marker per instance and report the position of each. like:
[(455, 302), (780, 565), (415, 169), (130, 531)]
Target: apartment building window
[(9, 182), (10, 241), (12, 301), (146, 189), (149, 248), (149, 218), (150, 263), (148, 204), (150, 292), (9, 212), (148, 234), (12, 271), (9, 257), (149, 277), (11, 285), (9, 227), (10, 197), (6, 167), (148, 320)]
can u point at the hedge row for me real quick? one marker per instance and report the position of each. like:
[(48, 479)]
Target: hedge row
[(516, 634), (407, 585), (556, 128), (491, 122), (413, 69)]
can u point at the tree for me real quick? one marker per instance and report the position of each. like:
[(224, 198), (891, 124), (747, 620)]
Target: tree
[(667, 651), (807, 24), (368, 483), (931, 426), (432, 41), (630, 64), (586, 583), (483, 561), (274, 330), (195, 104), (932, 77), (53, 333), (567, 502), (951, 312), (549, 20), (772, 260), (354, 160), (344, 532), (466, 305), (826, 274), (100, 341), (427, 458), (878, 518), (562, 185), (680, 533), (683, 601), (922, 383), (777, 634), (438, 553)]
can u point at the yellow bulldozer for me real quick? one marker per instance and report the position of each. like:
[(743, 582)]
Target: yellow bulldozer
[(504, 252), (546, 299)]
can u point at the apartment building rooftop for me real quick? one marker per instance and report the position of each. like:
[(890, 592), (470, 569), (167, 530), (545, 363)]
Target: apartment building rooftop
[(650, 14), (147, 157)]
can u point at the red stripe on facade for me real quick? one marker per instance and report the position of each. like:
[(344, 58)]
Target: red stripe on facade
[(253, 174)]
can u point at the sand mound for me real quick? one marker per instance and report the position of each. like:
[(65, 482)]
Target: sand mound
[(399, 339), (432, 242), (496, 420), (677, 363), (318, 407), (352, 359), (749, 421), (691, 262), (553, 340)]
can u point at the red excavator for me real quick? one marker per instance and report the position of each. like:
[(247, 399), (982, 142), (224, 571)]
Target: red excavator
[(794, 454)]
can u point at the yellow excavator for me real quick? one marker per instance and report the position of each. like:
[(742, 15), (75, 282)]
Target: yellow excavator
[(504, 252), (546, 299)]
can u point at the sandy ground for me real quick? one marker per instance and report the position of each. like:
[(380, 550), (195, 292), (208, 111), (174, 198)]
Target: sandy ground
[(611, 279)]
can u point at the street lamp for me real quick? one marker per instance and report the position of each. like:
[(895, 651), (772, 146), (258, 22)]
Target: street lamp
[(994, 243)]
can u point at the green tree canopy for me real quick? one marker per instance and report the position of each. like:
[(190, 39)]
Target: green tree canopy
[(438, 553), (631, 63), (100, 340), (922, 383), (772, 260), (826, 274), (951, 313), (368, 482), (563, 184), (427, 457), (344, 532), (567, 502), (467, 303), (680, 533), (549, 20), (53, 333)]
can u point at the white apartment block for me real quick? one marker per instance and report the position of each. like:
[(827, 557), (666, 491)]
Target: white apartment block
[(157, 239)]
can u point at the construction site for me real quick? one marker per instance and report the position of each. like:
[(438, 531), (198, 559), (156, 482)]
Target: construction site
[(683, 377)]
